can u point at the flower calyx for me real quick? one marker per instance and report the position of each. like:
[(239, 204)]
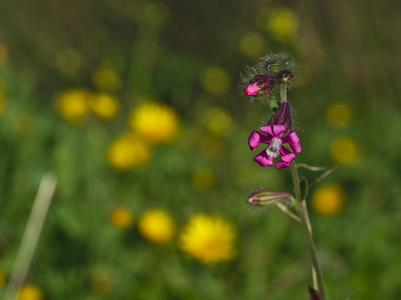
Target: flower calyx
[(264, 197), (282, 116), (260, 85), (285, 76)]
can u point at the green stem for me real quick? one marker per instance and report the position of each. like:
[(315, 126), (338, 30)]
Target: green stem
[(305, 223), (304, 217), (283, 93), (312, 250)]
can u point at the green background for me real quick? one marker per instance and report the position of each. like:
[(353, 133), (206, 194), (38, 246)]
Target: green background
[(348, 52)]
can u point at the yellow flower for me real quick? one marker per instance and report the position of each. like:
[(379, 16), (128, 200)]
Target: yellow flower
[(106, 79), (252, 44), (203, 179), (128, 151), (104, 105), (73, 105), (2, 278), (338, 115), (218, 121), (30, 292), (155, 122), (3, 53), (343, 150), (157, 226), (329, 200), (283, 23), (209, 239), (68, 61), (122, 217), (216, 81)]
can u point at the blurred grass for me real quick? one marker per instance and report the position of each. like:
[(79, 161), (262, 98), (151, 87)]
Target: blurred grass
[(189, 55)]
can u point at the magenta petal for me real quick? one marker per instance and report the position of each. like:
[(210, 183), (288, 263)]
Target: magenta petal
[(255, 138), (263, 159), (286, 155), (293, 140), (252, 89), (282, 164), (273, 130)]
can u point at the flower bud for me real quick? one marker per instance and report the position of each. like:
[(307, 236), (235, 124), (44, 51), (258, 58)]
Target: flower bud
[(271, 65), (263, 197), (285, 76), (282, 116), (259, 85)]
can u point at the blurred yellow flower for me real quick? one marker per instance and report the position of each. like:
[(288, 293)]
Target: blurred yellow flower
[(328, 200), (3, 53), (215, 80), (283, 23), (68, 61), (253, 44), (106, 79), (155, 122), (218, 121), (122, 217), (73, 105), (203, 179), (338, 115), (30, 292), (104, 105), (128, 151), (157, 226), (343, 150), (2, 278), (209, 239)]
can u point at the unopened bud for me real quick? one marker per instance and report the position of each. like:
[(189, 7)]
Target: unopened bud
[(285, 76), (259, 85), (263, 197), (271, 65), (282, 116)]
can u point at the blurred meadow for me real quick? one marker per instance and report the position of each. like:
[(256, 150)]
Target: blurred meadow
[(134, 107)]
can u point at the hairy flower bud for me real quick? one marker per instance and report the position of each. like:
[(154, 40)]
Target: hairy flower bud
[(259, 85), (285, 76), (282, 117), (263, 197), (271, 65)]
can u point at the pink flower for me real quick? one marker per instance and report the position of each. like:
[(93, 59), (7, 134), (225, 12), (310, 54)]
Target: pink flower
[(274, 145), (259, 85)]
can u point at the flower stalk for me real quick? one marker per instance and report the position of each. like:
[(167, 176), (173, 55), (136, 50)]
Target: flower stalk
[(305, 222), (271, 76)]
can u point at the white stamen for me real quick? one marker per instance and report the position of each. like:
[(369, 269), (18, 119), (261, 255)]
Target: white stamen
[(273, 150)]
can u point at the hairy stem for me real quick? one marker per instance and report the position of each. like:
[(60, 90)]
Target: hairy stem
[(283, 93), (306, 229), (302, 212)]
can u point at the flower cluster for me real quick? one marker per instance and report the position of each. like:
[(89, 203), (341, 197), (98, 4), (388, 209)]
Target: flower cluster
[(274, 71)]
